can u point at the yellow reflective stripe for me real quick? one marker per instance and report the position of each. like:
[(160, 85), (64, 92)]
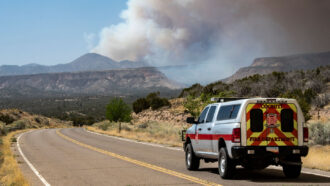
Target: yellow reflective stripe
[(287, 134), (249, 107)]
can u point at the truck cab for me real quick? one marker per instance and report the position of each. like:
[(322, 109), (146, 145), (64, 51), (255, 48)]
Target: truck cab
[(253, 133)]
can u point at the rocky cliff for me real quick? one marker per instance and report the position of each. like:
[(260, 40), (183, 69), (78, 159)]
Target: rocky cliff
[(176, 114), (282, 64), (112, 82)]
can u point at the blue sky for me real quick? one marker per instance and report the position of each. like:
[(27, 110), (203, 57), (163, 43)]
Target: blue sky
[(51, 32)]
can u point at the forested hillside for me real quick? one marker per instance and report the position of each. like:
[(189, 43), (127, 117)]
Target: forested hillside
[(311, 88)]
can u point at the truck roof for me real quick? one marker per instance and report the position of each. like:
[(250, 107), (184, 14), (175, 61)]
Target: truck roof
[(227, 101), (245, 101)]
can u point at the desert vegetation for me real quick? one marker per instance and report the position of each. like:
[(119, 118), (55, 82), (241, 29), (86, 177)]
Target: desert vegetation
[(152, 100), (118, 111), (10, 174), (319, 133), (319, 145), (318, 157), (83, 109), (308, 87), (13, 121), (155, 132), (162, 124)]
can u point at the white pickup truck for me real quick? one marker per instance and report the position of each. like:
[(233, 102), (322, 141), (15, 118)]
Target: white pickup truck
[(253, 133)]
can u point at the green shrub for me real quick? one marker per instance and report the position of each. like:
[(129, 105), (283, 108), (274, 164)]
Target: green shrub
[(225, 94), (158, 102), (152, 100), (13, 139), (18, 125), (104, 126), (143, 126), (208, 90), (255, 77), (319, 133), (3, 129), (6, 118), (1, 157), (309, 95), (79, 119), (89, 120), (193, 106), (194, 90), (318, 71), (125, 127), (303, 99), (245, 90), (152, 96), (279, 75), (118, 111), (204, 97), (140, 104)]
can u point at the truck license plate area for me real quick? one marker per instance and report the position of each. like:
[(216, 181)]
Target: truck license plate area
[(272, 149)]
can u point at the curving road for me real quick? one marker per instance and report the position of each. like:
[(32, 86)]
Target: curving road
[(77, 157)]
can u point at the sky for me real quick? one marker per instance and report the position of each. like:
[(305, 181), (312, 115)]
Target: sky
[(52, 32), (213, 37)]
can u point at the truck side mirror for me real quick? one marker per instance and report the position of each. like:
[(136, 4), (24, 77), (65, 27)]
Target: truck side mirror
[(191, 120)]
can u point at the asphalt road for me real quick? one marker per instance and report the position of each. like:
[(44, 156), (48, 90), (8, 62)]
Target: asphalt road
[(77, 157)]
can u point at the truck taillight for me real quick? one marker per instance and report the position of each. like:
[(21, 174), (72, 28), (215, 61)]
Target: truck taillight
[(236, 136), (305, 134)]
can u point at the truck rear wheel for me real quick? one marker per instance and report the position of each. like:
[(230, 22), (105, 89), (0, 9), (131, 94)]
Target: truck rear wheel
[(192, 162), (292, 171), (226, 165)]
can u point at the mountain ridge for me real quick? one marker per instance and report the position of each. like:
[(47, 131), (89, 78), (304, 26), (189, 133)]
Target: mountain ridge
[(109, 82), (86, 62), (267, 65)]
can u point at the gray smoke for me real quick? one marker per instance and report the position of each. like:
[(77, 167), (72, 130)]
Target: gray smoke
[(215, 37)]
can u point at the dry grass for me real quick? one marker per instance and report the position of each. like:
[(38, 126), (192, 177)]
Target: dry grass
[(318, 158), (177, 105), (10, 174), (28, 120), (165, 133), (154, 132)]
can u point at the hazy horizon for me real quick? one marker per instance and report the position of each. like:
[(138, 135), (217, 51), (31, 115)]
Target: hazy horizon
[(221, 36)]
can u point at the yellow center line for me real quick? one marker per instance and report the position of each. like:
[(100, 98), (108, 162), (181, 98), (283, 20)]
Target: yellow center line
[(140, 163)]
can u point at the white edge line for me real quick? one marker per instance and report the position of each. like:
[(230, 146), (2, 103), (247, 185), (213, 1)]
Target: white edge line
[(42, 179), (305, 172), (134, 141), (316, 174), (172, 148)]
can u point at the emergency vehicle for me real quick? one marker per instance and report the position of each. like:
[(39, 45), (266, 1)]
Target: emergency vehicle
[(253, 133)]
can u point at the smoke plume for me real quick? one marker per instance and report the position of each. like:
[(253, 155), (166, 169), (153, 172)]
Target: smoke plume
[(213, 38)]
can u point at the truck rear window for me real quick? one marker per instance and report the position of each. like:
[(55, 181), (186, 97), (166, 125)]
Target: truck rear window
[(228, 112), (256, 119), (287, 120)]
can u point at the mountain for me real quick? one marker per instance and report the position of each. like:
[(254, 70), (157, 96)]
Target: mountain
[(111, 82), (282, 64), (87, 62)]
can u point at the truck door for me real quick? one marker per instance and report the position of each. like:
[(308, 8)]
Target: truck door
[(198, 130), (271, 124), (205, 131)]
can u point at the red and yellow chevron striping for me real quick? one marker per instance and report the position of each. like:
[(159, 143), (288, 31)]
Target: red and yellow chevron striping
[(271, 133)]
